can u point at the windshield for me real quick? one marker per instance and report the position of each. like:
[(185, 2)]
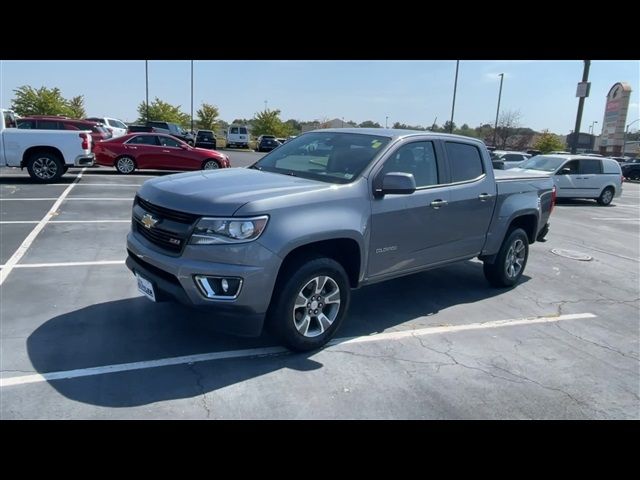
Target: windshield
[(543, 163), (329, 157)]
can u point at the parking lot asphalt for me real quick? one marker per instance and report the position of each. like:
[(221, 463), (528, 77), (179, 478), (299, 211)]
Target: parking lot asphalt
[(78, 340)]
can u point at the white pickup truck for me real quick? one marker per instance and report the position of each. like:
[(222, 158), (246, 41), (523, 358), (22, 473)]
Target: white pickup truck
[(47, 154)]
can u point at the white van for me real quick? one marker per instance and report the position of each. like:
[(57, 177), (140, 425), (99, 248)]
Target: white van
[(579, 176), (238, 135)]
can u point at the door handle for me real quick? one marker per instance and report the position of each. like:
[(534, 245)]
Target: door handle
[(133, 148), (166, 151), (438, 203), (484, 196)]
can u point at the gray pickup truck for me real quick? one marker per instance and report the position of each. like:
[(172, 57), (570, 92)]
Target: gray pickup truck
[(284, 241)]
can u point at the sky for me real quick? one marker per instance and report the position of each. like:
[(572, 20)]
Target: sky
[(410, 92)]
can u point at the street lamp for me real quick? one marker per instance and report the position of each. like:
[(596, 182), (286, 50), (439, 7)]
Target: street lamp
[(626, 132), (591, 127), (265, 105), (386, 122), (453, 104), (495, 128)]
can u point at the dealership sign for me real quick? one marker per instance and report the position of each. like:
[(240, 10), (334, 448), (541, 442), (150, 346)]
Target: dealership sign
[(615, 116)]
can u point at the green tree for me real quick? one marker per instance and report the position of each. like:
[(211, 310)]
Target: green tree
[(267, 122), (548, 142), (163, 112), (76, 107), (447, 126), (370, 124), (208, 117), (41, 101)]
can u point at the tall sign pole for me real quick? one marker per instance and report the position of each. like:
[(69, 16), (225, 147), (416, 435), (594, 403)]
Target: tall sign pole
[(455, 88), (191, 96), (146, 74), (495, 128), (582, 93)]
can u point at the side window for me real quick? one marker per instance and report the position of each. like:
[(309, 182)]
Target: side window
[(169, 142), (590, 166), (243, 130), (69, 126), (49, 125), (144, 140), (572, 166), (27, 124), (513, 157), (234, 130), (465, 161), (417, 158), (117, 124)]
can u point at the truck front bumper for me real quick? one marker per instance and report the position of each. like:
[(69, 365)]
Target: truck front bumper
[(85, 160), (173, 279)]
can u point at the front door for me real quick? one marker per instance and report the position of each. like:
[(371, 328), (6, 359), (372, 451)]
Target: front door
[(409, 231), (566, 180)]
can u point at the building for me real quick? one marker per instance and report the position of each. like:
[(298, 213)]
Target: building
[(615, 117), (335, 123)]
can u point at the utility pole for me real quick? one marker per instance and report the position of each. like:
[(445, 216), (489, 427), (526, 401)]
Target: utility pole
[(453, 105), (146, 74), (495, 128), (191, 96), (583, 92)]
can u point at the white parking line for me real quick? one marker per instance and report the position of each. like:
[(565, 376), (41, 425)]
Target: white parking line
[(626, 219), (22, 249), (254, 352), (101, 185), (69, 264), (48, 199), (13, 222), (87, 199)]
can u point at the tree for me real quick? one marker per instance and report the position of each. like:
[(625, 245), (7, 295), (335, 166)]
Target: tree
[(548, 142), (208, 117), (45, 101), (446, 128), (162, 112), (370, 124), (508, 123), (267, 122), (76, 107)]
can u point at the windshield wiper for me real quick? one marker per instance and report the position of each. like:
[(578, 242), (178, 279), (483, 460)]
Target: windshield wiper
[(255, 167)]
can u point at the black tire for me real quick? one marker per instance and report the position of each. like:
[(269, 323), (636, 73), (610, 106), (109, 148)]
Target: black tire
[(65, 169), (44, 167), (496, 273), (606, 197), (125, 165), (293, 280), (211, 163)]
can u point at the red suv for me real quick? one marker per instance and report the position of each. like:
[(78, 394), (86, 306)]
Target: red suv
[(49, 122)]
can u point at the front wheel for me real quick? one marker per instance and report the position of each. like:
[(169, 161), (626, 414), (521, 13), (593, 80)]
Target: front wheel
[(310, 304), (210, 165), (606, 197), (125, 165), (509, 264)]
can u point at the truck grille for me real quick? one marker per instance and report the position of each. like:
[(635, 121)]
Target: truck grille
[(172, 229)]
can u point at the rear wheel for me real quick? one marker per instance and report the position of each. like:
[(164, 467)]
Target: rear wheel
[(509, 264), (125, 165), (606, 196), (310, 304), (45, 167), (210, 165)]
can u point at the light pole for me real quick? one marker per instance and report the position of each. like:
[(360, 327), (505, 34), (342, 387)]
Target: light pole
[(191, 96), (265, 105), (453, 105), (624, 138), (342, 122), (576, 131), (386, 122), (591, 127), (146, 75), (495, 128)]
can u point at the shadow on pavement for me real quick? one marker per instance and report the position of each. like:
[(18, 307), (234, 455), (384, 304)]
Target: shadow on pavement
[(135, 329)]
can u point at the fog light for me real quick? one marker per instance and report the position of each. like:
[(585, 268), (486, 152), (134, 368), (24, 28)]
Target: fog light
[(218, 287)]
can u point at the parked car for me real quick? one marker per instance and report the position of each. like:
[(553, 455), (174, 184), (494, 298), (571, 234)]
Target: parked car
[(579, 176), (156, 151), (266, 143), (293, 233), (47, 155), (115, 126), (237, 136), (631, 169), (506, 159), (206, 139), (172, 129), (45, 122)]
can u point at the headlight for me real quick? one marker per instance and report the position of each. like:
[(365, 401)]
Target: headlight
[(210, 231)]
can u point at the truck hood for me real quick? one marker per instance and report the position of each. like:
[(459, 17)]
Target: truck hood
[(222, 192)]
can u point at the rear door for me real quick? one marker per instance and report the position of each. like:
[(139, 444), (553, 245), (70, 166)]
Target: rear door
[(591, 179), (145, 149), (472, 199)]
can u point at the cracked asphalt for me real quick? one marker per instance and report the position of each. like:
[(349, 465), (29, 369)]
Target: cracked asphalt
[(73, 317)]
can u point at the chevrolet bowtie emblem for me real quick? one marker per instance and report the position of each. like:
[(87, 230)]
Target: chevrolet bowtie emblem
[(148, 221)]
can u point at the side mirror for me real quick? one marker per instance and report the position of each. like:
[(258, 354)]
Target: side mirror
[(398, 183), (565, 171)]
